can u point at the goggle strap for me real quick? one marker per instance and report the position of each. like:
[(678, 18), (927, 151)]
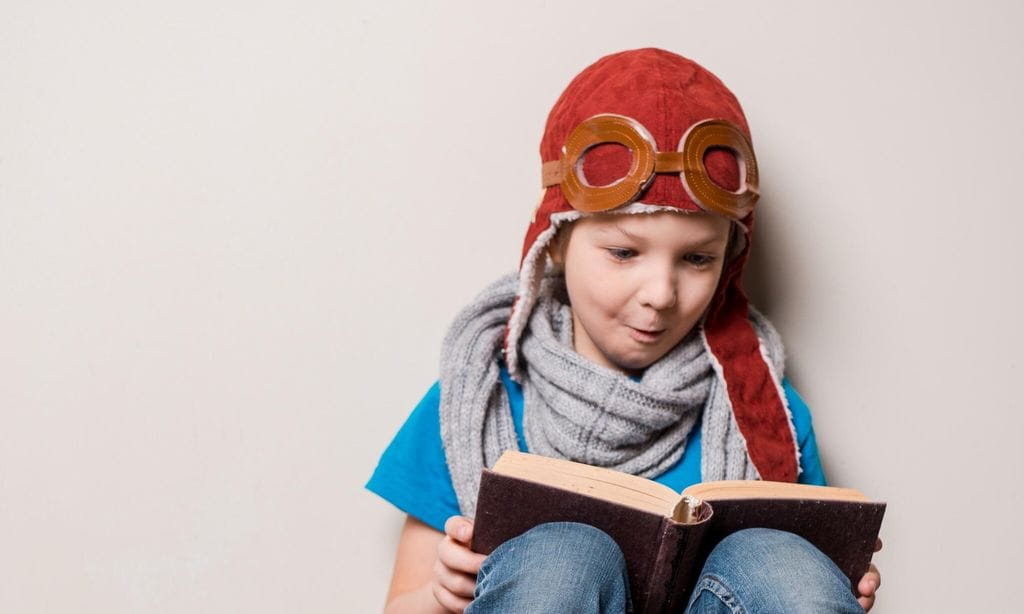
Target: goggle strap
[(669, 162), (551, 173)]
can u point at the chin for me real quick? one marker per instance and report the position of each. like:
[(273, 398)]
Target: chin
[(636, 364)]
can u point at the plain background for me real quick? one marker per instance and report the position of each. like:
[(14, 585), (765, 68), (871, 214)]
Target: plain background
[(232, 235)]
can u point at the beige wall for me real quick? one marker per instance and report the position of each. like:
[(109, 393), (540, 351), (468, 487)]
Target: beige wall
[(232, 235)]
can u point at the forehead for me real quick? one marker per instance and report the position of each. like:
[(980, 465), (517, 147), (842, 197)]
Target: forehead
[(671, 226)]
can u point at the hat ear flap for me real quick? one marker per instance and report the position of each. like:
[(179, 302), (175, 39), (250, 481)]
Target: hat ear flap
[(531, 272)]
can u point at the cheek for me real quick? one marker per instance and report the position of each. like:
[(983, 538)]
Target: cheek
[(586, 301), (701, 291), (596, 303), (605, 298)]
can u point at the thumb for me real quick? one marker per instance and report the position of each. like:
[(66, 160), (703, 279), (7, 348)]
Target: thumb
[(459, 528)]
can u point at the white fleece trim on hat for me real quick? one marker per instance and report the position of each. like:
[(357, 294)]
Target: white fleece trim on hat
[(530, 276)]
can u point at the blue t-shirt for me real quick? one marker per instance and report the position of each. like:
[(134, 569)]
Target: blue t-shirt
[(413, 473)]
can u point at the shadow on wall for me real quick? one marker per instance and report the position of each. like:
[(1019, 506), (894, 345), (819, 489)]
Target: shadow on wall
[(763, 260), (773, 293)]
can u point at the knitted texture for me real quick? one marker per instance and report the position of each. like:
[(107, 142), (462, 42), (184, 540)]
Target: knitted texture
[(575, 408)]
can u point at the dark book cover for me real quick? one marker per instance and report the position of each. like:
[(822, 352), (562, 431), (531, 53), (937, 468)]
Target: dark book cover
[(507, 507), (845, 531), (664, 557)]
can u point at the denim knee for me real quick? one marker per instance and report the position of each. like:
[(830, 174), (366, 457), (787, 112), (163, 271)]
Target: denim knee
[(554, 567), (764, 570)]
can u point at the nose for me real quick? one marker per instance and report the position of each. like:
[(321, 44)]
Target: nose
[(659, 290)]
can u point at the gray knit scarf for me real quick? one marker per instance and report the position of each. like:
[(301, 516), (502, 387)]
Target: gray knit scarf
[(575, 408)]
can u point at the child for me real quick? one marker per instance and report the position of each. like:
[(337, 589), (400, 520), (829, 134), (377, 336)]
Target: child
[(624, 341)]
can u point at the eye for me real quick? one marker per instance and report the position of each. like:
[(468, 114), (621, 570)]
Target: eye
[(701, 261), (621, 253)]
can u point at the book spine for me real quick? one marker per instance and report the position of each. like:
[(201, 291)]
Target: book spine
[(675, 567)]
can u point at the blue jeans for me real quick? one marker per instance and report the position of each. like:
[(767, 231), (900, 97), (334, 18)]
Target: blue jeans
[(574, 568)]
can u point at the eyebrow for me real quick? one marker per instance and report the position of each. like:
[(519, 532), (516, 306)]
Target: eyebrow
[(709, 241), (625, 232)]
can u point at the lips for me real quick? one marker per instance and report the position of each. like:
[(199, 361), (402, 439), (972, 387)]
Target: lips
[(646, 335)]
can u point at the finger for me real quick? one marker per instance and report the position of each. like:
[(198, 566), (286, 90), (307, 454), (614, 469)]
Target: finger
[(447, 600), (867, 585), (458, 557), (869, 582), (866, 602), (457, 583), (877, 575), (878, 544), (459, 528)]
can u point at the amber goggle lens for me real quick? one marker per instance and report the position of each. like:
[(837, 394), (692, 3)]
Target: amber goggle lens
[(688, 161)]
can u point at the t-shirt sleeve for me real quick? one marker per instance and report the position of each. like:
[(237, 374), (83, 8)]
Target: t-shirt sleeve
[(412, 472), (810, 464)]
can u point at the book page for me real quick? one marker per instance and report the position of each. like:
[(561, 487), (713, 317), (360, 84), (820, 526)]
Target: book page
[(599, 482), (762, 489)]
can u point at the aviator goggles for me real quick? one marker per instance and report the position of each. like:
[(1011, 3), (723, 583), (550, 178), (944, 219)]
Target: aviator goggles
[(688, 161)]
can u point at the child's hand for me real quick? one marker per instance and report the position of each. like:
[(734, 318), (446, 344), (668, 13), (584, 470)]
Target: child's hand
[(456, 566), (870, 583)]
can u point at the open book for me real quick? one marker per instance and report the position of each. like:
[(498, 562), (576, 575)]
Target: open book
[(665, 536)]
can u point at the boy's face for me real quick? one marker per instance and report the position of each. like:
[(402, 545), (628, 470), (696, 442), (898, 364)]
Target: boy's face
[(638, 283)]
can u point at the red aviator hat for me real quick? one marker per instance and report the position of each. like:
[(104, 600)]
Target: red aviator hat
[(648, 130)]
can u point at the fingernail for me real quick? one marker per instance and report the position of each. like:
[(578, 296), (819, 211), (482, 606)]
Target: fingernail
[(463, 533)]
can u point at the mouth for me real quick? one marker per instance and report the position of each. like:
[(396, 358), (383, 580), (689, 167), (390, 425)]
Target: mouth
[(646, 335)]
